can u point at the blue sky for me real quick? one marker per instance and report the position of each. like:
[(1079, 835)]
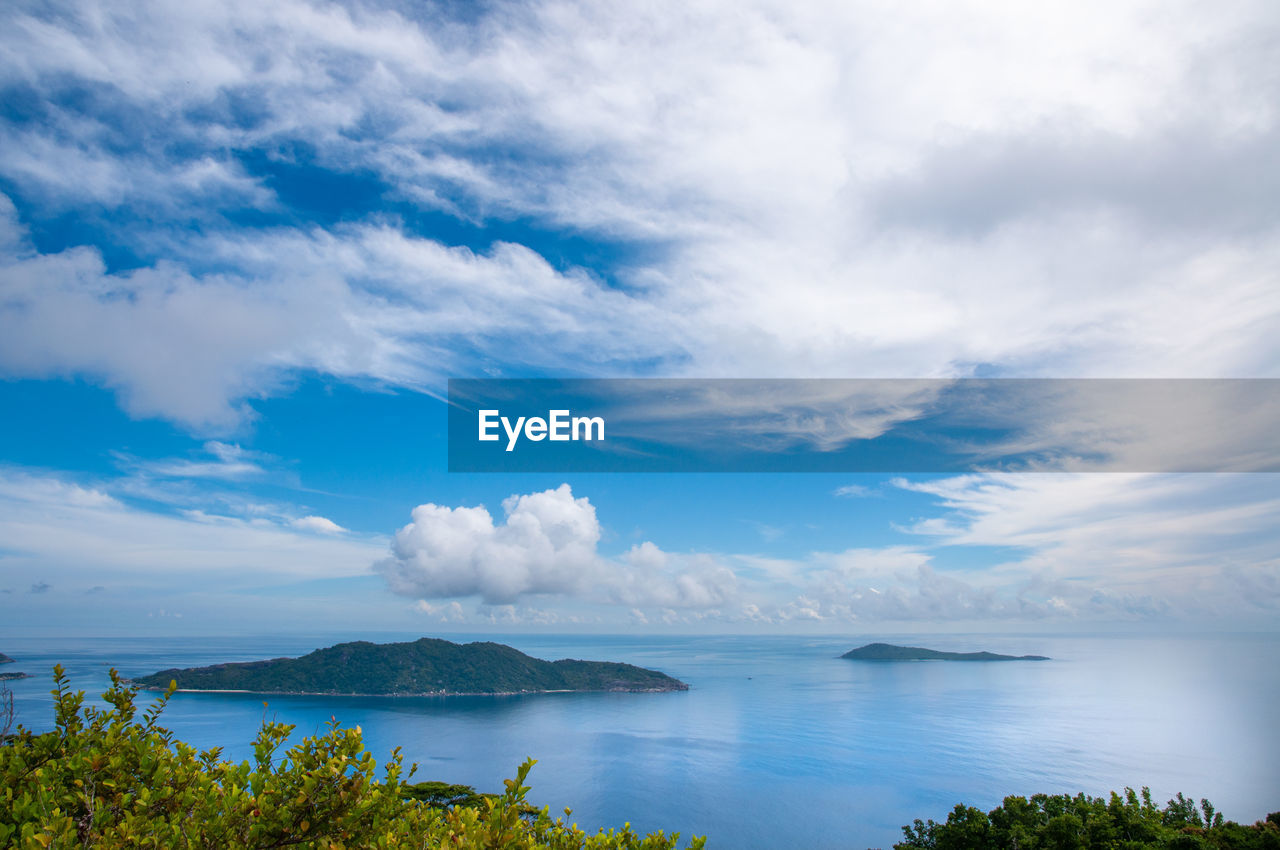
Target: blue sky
[(243, 248)]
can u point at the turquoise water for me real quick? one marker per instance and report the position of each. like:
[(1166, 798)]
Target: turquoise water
[(779, 743)]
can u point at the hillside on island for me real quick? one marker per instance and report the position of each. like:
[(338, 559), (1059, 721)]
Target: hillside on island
[(4, 659), (889, 652), (425, 667)]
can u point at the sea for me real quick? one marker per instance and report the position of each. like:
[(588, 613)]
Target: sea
[(779, 742)]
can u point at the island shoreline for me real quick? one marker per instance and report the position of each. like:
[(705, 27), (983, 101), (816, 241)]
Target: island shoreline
[(432, 694)]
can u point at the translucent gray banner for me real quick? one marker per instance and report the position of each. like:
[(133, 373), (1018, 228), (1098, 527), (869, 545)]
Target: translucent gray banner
[(863, 425)]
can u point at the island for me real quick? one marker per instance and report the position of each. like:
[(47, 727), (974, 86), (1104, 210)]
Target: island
[(889, 652), (425, 667), (8, 677)]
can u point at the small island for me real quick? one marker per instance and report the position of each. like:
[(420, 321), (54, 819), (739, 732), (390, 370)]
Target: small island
[(425, 667), (9, 677), (889, 652)]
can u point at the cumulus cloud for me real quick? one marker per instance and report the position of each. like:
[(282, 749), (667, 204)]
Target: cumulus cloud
[(892, 583), (546, 544), (903, 585), (444, 612), (654, 577)]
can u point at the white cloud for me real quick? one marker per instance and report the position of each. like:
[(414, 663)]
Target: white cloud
[(1055, 548), (546, 545), (50, 526), (319, 524), (880, 189), (192, 348), (851, 491), (653, 577), (450, 612), (1194, 542), (229, 462), (1051, 548), (893, 583)]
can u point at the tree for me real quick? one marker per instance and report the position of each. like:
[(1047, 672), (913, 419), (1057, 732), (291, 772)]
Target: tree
[(1063, 822), (6, 712)]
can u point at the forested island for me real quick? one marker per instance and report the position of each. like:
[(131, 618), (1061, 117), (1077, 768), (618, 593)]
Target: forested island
[(425, 667), (6, 677), (889, 652)]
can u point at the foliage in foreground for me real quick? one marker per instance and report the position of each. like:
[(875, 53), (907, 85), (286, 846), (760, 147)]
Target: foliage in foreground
[(111, 779), (1063, 822)]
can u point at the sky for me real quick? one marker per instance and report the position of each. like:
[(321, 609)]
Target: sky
[(244, 246)]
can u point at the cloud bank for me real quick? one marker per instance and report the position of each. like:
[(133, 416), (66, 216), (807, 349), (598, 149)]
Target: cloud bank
[(83, 533), (1049, 548), (991, 549), (889, 190)]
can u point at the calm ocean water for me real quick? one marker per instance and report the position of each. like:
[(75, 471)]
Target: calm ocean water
[(779, 743)]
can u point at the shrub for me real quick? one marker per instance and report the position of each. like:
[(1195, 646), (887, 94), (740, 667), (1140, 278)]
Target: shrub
[(108, 778)]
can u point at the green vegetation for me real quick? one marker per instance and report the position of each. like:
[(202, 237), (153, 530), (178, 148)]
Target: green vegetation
[(4, 659), (1063, 822), (421, 668), (889, 652), (107, 778)]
